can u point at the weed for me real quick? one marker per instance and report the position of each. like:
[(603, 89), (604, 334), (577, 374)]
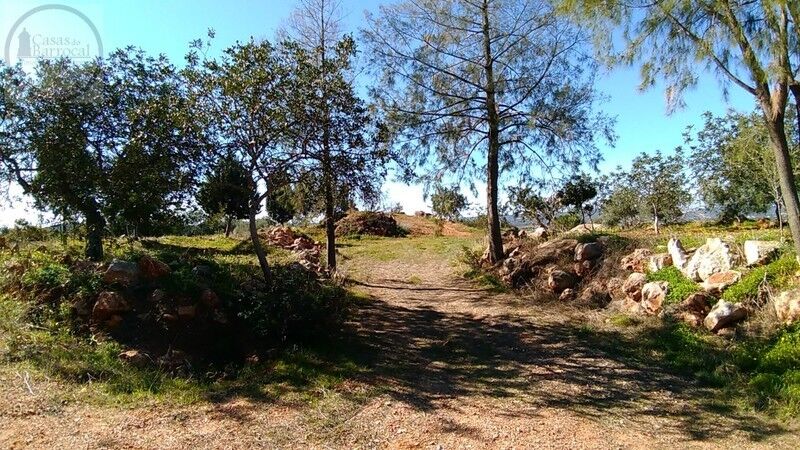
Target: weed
[(680, 286)]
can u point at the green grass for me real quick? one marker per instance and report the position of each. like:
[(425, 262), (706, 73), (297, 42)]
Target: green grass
[(777, 273), (680, 286), (44, 338), (382, 249)]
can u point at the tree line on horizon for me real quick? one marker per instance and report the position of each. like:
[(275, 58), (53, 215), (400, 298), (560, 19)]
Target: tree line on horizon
[(467, 90)]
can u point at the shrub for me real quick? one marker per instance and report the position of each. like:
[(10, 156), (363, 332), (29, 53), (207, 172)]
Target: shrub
[(680, 286), (776, 273), (298, 307)]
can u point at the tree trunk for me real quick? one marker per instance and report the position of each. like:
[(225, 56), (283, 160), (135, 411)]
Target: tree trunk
[(783, 164), (95, 226), (795, 90), (778, 217), (228, 226), (655, 220), (492, 164), (330, 224), (262, 258)]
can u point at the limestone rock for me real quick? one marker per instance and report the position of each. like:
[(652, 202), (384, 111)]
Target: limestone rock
[(588, 252), (787, 306), (678, 254), (134, 358), (659, 261), (653, 296), (567, 295), (108, 305), (124, 273), (637, 261), (760, 252), (633, 286), (720, 281), (153, 269), (558, 281), (724, 314), (694, 309), (713, 257), (540, 233)]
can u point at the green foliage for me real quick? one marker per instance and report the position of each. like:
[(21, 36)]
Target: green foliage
[(680, 286), (296, 308), (577, 193), (447, 203), (735, 165), (621, 207), (226, 190), (655, 184), (776, 273)]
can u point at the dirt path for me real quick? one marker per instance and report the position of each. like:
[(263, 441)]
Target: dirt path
[(452, 366)]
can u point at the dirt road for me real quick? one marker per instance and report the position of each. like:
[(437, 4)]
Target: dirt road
[(451, 365)]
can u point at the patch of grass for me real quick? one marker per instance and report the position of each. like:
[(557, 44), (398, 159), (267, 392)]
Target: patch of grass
[(414, 279), (623, 320), (680, 286), (778, 273)]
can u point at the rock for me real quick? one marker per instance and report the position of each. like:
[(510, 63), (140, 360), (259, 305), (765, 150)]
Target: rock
[(653, 296), (209, 298), (558, 281), (588, 252), (108, 304), (594, 294), (187, 312), (583, 269), (367, 223), (713, 257), (540, 233), (587, 228), (760, 252), (173, 359), (720, 281), (551, 252), (614, 288), (724, 314), (522, 234), (677, 253), (123, 273), (632, 287), (694, 309), (659, 261), (637, 261), (134, 358), (153, 269), (202, 271), (787, 306), (567, 295)]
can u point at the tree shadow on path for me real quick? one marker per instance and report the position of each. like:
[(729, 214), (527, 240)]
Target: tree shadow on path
[(428, 357)]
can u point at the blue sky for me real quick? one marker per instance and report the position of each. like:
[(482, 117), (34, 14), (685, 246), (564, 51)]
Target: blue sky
[(168, 26)]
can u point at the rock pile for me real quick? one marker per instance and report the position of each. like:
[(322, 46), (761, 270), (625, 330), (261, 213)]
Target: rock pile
[(368, 223), (307, 250)]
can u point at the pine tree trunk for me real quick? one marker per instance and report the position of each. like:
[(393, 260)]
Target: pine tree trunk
[(262, 258), (492, 164), (330, 226), (783, 164), (95, 226), (795, 90)]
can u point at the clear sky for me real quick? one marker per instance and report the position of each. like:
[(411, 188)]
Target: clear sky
[(167, 26)]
